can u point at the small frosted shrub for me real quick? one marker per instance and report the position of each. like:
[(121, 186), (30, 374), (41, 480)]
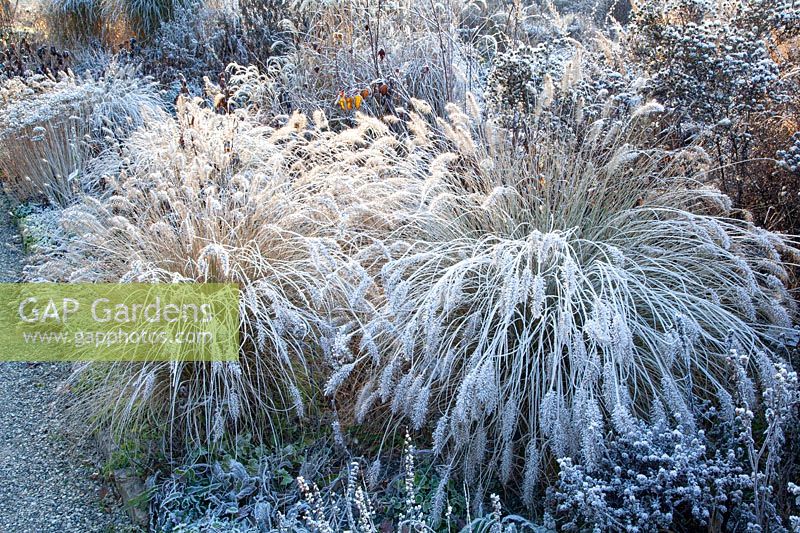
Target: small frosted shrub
[(201, 38), (701, 49), (539, 297), (198, 41), (519, 76), (562, 86), (661, 476), (51, 129), (39, 226), (651, 480)]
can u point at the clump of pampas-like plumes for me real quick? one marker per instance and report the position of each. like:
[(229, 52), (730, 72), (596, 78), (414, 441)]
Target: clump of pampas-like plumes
[(546, 293), (205, 197)]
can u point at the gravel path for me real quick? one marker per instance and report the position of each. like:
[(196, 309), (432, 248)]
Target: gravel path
[(49, 482)]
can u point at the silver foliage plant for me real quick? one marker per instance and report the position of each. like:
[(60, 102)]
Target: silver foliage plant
[(541, 295), (232, 496)]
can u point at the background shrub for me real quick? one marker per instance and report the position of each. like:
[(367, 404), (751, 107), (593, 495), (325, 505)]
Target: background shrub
[(49, 136), (725, 73)]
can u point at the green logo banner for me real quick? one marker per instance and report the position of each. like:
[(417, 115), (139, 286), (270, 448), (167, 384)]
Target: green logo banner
[(119, 322)]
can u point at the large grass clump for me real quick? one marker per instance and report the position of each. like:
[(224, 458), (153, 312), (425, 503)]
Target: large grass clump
[(208, 197), (106, 21), (546, 293)]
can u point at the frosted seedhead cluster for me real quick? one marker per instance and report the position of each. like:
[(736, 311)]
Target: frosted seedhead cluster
[(790, 159), (523, 75), (720, 51)]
